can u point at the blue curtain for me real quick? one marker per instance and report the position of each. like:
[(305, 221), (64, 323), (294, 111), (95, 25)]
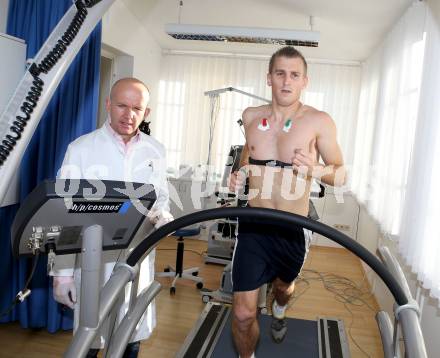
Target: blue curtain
[(71, 113)]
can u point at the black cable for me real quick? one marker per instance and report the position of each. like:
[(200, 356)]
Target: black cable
[(34, 267), (345, 291), (23, 293), (8, 143), (240, 125), (9, 309), (144, 127), (357, 222), (185, 250)]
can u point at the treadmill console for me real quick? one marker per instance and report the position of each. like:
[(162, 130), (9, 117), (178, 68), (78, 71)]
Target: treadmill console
[(56, 212)]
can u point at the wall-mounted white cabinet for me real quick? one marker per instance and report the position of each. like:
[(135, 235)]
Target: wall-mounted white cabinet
[(342, 216), (4, 4), (12, 68)]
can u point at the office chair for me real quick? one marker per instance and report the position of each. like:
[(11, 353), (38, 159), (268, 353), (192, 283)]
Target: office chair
[(179, 272)]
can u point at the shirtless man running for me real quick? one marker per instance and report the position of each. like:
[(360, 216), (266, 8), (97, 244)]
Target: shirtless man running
[(284, 140)]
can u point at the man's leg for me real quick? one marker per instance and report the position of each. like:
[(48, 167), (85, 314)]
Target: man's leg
[(132, 350), (245, 328), (282, 292), (92, 353)]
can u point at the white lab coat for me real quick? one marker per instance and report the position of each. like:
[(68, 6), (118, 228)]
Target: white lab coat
[(98, 155)]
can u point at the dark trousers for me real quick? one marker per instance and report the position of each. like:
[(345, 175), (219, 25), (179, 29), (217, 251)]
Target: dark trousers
[(131, 351)]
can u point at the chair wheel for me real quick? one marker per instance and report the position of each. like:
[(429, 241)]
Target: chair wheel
[(166, 269), (172, 291), (199, 285), (196, 273)]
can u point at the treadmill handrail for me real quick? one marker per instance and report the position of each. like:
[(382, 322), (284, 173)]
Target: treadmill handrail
[(127, 326), (408, 315), (284, 218), (110, 293), (393, 266), (411, 330)]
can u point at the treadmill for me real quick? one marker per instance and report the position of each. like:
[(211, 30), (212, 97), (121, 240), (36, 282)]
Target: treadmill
[(324, 338), (43, 215), (67, 216)]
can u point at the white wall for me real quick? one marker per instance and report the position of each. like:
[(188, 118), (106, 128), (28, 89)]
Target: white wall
[(124, 32), (370, 237), (3, 14), (435, 7)]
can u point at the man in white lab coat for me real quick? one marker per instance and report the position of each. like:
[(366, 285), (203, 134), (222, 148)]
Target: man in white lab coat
[(117, 151)]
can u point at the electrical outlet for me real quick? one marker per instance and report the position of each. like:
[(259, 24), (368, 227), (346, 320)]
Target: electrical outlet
[(342, 227)]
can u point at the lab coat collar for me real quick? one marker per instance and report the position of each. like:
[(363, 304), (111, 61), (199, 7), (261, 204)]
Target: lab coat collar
[(120, 141)]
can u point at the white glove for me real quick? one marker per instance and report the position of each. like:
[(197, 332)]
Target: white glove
[(64, 290), (159, 217)]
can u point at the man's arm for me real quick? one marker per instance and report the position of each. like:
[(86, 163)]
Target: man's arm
[(163, 197), (244, 156), (159, 214), (333, 171), (237, 179), (70, 169), (64, 290)]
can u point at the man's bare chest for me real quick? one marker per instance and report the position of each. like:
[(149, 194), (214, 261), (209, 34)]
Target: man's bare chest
[(278, 140)]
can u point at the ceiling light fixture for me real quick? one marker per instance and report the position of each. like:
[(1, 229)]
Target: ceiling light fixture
[(256, 35)]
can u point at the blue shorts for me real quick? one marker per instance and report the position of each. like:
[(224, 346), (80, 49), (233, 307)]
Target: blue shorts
[(264, 251)]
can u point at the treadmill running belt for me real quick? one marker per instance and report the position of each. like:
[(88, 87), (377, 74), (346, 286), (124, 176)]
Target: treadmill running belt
[(301, 341)]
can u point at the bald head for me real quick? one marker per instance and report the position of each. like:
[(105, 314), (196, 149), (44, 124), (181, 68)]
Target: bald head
[(126, 82)]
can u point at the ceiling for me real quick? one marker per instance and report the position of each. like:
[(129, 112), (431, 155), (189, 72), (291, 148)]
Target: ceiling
[(350, 29)]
